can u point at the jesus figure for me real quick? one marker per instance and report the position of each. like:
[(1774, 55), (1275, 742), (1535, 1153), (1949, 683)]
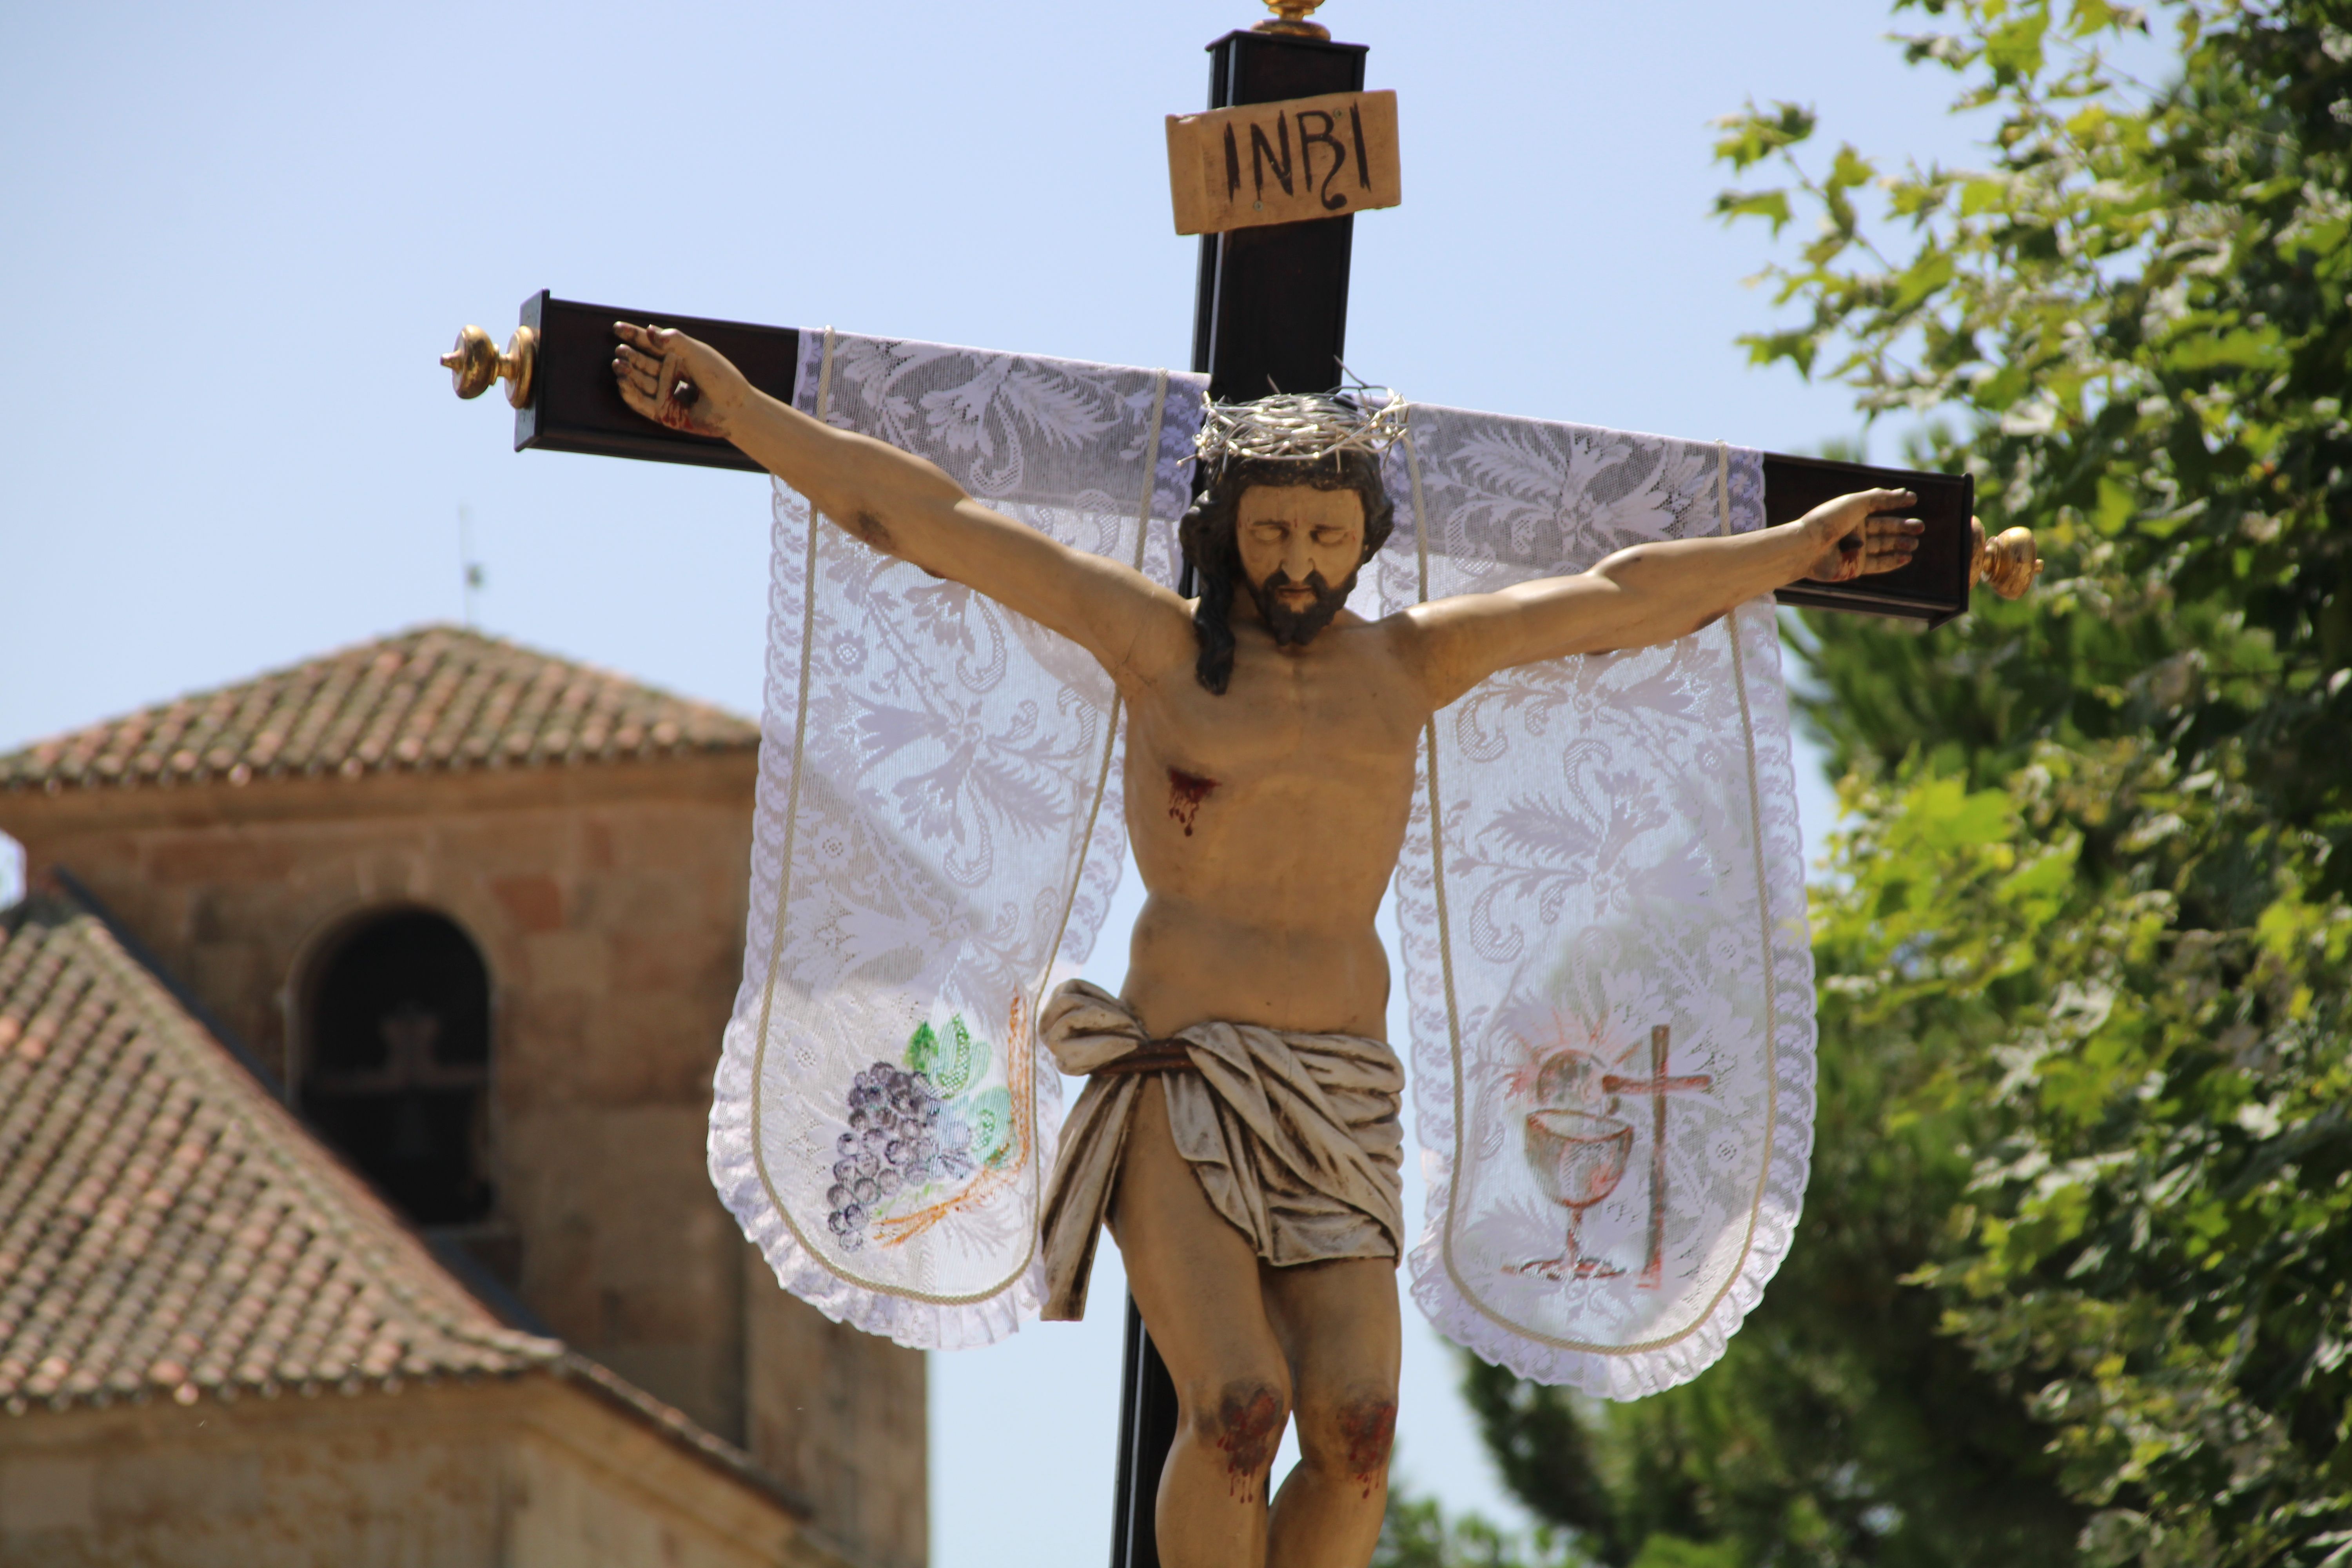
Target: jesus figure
[(1256, 1195)]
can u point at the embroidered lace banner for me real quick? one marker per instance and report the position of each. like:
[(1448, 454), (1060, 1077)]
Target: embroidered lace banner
[(937, 836), (1601, 892), (1601, 898)]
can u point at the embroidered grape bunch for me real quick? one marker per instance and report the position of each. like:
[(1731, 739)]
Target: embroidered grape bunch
[(914, 1128)]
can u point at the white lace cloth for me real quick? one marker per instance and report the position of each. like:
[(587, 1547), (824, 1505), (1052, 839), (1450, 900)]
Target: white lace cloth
[(1617, 851), (939, 831)]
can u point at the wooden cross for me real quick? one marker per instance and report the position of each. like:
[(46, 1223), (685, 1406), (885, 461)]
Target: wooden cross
[(1658, 1086), (1270, 314)]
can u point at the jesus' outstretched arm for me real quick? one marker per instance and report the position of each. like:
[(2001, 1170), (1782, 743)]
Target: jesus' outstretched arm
[(904, 506), (1656, 593)]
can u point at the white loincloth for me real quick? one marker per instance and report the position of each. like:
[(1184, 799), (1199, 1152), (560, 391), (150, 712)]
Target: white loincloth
[(1294, 1136)]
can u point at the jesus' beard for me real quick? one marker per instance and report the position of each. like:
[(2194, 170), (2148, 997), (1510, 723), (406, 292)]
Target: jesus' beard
[(1295, 629)]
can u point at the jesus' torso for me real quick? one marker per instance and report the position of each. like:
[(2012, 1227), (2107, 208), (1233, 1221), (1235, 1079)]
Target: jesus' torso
[(1266, 823)]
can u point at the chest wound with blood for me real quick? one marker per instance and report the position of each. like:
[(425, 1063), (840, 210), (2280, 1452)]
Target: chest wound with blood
[(1185, 793)]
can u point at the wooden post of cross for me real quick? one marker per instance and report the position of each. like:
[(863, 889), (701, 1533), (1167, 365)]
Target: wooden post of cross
[(1270, 314)]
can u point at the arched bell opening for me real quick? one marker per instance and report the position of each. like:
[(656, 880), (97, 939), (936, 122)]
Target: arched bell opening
[(396, 1061)]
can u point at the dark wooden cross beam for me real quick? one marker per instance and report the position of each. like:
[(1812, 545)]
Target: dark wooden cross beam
[(572, 404)]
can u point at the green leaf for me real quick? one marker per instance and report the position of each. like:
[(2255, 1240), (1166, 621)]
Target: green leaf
[(952, 1065), (1679, 1552), (2118, 505), (1849, 169), (2014, 51), (2241, 347), (1984, 195), (2089, 16), (989, 1114), (1925, 277), (1753, 136), (1772, 204)]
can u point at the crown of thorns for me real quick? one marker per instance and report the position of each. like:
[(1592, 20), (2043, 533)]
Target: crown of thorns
[(1293, 425)]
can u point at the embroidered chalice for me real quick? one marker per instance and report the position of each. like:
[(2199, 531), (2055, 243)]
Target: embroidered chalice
[(1578, 1159)]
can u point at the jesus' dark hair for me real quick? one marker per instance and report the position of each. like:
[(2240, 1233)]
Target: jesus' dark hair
[(1213, 553)]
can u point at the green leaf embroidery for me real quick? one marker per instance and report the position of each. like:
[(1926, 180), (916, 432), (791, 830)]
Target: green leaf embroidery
[(952, 1065)]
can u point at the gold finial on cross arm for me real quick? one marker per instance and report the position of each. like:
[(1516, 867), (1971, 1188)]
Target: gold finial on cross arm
[(476, 365), (1289, 19), (2008, 561)]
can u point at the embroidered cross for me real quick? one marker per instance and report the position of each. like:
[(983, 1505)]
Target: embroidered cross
[(1658, 1086)]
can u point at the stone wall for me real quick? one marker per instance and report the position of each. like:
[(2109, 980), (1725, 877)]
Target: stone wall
[(535, 1473), (838, 1416)]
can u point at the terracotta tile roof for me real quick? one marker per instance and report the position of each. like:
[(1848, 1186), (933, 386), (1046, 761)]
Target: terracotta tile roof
[(438, 698), (167, 1229)]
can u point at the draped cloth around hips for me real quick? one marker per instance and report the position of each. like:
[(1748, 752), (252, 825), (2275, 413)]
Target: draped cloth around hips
[(1294, 1136)]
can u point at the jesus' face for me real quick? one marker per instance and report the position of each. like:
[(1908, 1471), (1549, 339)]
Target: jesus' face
[(1299, 549)]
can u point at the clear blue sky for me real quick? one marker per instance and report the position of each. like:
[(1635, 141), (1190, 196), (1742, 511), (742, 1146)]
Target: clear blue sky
[(237, 236)]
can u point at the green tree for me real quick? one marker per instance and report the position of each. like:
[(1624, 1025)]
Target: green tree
[(2085, 1022), (2141, 311), (2099, 837)]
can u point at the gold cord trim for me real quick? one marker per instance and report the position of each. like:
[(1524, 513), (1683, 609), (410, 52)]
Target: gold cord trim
[(1437, 890)]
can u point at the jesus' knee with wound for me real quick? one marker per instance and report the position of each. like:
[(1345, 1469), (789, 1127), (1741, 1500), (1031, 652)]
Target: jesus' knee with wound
[(1239, 1130)]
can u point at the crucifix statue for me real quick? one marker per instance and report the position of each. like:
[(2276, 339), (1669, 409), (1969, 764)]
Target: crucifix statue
[(1238, 1132)]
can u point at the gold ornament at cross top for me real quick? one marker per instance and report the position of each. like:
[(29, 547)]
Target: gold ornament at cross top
[(1290, 19)]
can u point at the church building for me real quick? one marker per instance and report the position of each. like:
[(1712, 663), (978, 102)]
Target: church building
[(356, 1041)]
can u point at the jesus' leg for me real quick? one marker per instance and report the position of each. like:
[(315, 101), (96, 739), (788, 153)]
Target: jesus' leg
[(1195, 1278), (1337, 1326)]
